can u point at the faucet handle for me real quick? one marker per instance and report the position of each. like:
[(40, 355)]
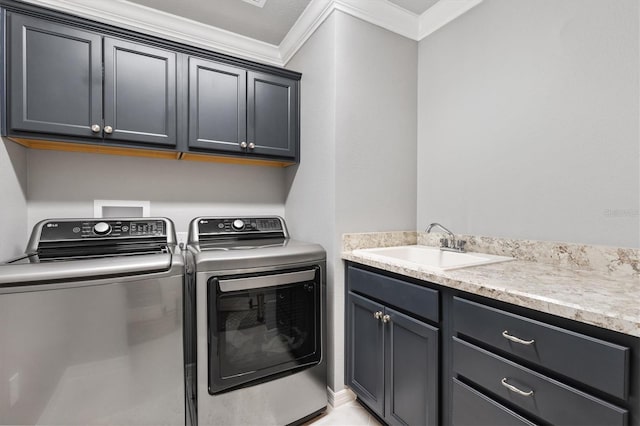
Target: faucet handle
[(444, 242), (460, 244)]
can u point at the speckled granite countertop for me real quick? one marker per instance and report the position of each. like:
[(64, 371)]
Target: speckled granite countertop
[(605, 297)]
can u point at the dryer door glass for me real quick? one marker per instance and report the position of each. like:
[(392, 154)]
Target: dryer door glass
[(262, 326)]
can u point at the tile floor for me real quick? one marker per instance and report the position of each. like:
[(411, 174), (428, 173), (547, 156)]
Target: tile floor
[(349, 414)]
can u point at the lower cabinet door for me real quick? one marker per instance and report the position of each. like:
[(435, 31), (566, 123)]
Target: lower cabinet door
[(365, 343), (412, 370)]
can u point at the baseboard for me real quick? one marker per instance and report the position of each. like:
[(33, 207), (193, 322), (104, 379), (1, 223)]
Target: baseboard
[(339, 398)]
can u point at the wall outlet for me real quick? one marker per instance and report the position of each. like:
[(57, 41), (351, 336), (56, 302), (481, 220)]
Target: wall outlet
[(14, 389)]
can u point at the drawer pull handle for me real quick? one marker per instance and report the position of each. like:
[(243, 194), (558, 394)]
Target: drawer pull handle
[(506, 335), (515, 389), (377, 315)]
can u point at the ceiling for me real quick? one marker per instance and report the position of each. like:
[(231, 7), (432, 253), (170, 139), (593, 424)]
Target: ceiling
[(269, 24), (416, 6)]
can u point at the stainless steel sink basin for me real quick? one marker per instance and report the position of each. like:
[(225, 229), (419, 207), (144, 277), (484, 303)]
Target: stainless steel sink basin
[(429, 257)]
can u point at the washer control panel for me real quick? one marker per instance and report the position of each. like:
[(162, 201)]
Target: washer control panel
[(227, 225), (101, 228)]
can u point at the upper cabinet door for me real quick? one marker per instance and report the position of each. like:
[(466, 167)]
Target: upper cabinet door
[(140, 103), (217, 106), (55, 86), (272, 115)]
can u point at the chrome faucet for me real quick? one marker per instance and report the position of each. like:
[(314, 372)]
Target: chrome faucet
[(445, 243)]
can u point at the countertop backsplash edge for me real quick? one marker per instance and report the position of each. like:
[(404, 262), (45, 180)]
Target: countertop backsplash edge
[(614, 261)]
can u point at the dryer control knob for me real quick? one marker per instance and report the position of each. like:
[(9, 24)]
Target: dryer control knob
[(238, 225), (101, 228)]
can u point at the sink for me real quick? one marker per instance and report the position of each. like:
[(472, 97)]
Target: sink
[(429, 257)]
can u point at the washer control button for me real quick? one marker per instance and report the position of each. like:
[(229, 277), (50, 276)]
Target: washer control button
[(101, 228), (238, 225)]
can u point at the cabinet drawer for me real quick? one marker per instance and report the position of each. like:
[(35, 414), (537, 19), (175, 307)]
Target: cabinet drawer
[(405, 296), (472, 408), (594, 362), (535, 393)]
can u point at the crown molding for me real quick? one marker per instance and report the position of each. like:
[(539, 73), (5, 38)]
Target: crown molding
[(382, 13), (441, 13), (165, 25), (307, 23)]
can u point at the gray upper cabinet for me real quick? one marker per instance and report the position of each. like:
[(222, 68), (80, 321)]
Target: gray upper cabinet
[(77, 85), (217, 106), (55, 82), (272, 115), (57, 85), (139, 93), (232, 110)]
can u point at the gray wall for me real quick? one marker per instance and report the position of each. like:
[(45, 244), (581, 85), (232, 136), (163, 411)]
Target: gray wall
[(310, 203), (358, 131), (528, 122), (64, 184), (13, 199)]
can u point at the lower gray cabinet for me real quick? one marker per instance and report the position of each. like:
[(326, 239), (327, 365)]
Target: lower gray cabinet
[(392, 362), (365, 354), (411, 383), (496, 363)]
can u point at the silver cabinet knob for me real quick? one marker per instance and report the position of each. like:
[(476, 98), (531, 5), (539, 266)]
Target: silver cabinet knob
[(252, 145), (377, 315), (243, 145), (386, 319), (95, 128), (108, 129)]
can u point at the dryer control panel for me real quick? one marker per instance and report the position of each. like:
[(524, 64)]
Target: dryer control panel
[(65, 230), (229, 228), (243, 224)]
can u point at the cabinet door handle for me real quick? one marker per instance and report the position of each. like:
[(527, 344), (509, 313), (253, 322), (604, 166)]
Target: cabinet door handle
[(95, 128), (243, 145), (386, 319), (507, 336), (377, 315), (252, 145), (515, 389), (108, 129)]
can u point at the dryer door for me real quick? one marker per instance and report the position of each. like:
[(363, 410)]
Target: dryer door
[(262, 327)]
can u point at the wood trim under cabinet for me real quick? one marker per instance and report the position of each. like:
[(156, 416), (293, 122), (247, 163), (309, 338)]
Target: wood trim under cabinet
[(94, 149), (235, 160), (137, 152)]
